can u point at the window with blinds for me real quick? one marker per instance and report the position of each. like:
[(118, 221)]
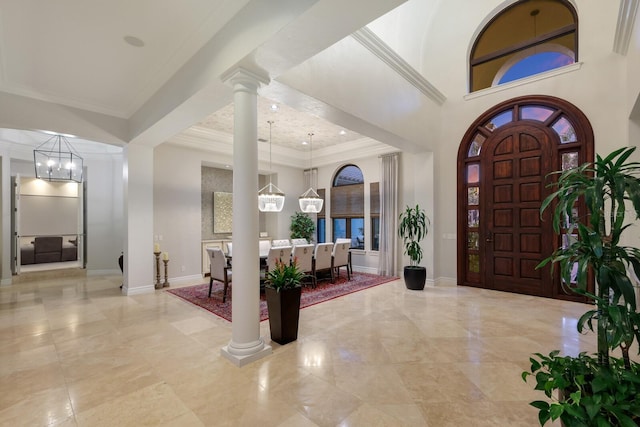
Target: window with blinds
[(347, 206)]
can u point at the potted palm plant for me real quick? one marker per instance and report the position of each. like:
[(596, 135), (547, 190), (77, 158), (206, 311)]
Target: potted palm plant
[(282, 290), (600, 389), (413, 227), (302, 227)]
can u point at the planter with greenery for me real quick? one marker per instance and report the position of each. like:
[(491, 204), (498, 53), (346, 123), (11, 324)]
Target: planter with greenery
[(302, 227), (282, 290), (600, 389), (413, 227)]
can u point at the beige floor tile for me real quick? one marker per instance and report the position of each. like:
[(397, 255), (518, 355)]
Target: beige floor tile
[(153, 405), (76, 352)]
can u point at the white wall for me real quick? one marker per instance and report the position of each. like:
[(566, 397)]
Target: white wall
[(105, 214), (177, 205), (598, 88)]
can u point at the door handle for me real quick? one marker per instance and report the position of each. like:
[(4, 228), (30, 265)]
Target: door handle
[(489, 237)]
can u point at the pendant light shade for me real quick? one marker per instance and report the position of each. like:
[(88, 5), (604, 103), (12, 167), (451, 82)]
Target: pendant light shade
[(310, 201), (270, 197)]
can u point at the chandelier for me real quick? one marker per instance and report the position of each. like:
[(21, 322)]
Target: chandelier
[(310, 201), (56, 160), (270, 197)]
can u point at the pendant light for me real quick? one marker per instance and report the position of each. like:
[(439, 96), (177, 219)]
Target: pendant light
[(310, 201), (270, 197), (56, 160)]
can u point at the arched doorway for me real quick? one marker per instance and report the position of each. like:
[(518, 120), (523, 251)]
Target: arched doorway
[(503, 163)]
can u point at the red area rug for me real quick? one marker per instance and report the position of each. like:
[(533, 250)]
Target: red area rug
[(323, 292)]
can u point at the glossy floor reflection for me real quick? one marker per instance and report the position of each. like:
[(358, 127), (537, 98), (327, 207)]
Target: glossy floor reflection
[(75, 352)]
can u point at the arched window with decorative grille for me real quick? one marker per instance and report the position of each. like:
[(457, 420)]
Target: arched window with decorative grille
[(526, 38)]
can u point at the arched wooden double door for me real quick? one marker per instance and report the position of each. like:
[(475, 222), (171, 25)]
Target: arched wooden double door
[(503, 165)]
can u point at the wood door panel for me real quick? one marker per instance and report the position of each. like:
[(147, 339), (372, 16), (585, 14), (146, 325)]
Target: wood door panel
[(503, 169), (531, 243), (503, 242), (530, 166), (505, 146), (531, 192), (503, 193), (517, 159), (503, 266), (528, 269), (530, 217), (503, 217)]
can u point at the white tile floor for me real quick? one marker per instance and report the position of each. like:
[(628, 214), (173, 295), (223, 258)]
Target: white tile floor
[(75, 352)]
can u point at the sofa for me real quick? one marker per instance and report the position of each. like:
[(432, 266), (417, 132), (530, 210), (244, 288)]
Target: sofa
[(48, 249)]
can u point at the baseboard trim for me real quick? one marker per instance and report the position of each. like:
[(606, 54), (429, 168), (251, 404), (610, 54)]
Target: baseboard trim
[(446, 281)]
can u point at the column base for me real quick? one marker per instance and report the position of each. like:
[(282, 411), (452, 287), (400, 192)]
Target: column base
[(243, 356)]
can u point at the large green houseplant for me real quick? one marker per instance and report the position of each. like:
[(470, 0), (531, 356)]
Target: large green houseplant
[(302, 227), (600, 389), (412, 228), (282, 291)]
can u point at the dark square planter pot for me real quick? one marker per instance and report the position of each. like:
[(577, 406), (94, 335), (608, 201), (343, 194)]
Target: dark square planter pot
[(284, 313), (415, 277)]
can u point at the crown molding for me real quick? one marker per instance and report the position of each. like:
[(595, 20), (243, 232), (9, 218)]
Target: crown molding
[(378, 47), (624, 26), (211, 141)]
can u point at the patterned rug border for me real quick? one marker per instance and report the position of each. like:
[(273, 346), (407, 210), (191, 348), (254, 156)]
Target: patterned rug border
[(325, 291)]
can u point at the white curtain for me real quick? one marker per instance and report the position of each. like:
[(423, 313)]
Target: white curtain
[(388, 214)]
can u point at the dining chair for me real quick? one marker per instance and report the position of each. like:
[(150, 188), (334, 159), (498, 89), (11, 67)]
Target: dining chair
[(282, 254), (340, 257), (229, 249), (322, 259), (303, 255), (263, 247), (295, 242), (348, 242), (280, 242), (219, 269)]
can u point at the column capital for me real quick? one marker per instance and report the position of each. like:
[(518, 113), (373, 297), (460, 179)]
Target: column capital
[(246, 78)]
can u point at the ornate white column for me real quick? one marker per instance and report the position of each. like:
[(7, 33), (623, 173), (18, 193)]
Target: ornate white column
[(246, 345)]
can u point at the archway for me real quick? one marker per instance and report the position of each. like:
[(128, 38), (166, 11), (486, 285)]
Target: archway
[(503, 164)]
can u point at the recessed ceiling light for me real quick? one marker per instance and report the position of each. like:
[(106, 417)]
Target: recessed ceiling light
[(274, 107), (343, 132), (133, 41), (304, 143)]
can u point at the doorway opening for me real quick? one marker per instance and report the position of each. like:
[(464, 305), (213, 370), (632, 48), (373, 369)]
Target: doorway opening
[(504, 162)]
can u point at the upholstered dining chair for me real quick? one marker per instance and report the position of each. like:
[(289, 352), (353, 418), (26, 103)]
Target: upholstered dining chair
[(303, 255), (282, 253), (340, 258), (322, 259), (296, 242), (348, 242), (220, 271), (280, 242), (263, 247)]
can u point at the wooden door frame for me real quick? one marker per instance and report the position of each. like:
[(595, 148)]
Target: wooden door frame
[(584, 146)]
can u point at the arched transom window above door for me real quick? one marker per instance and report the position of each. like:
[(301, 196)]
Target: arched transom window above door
[(526, 38)]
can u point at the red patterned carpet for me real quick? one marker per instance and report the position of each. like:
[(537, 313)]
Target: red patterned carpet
[(323, 292)]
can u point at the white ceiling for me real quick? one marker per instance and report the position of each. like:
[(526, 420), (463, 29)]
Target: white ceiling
[(73, 53)]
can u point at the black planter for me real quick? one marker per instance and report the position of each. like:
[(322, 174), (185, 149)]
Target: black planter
[(284, 312), (415, 277)]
